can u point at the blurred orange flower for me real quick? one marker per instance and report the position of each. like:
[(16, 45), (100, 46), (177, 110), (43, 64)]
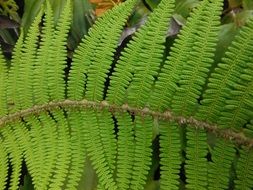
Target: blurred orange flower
[(104, 5)]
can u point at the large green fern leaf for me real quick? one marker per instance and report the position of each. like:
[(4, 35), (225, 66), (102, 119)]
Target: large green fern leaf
[(222, 158), (94, 56), (244, 170), (40, 79), (58, 52), (125, 150), (97, 144), (140, 62), (184, 75), (14, 152), (12, 87), (228, 98), (22, 68), (3, 86), (170, 155), (3, 166)]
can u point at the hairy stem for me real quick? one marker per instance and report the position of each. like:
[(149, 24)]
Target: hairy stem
[(229, 134)]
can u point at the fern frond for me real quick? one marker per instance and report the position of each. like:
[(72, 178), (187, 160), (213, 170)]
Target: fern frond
[(24, 76), (228, 98), (38, 145), (103, 55), (3, 165), (142, 151), (189, 60), (12, 87), (62, 141), (166, 84), (125, 150), (199, 59), (220, 168), (32, 143), (94, 145), (94, 56), (107, 135), (78, 152), (181, 81), (3, 86), (244, 170), (49, 85), (21, 133), (40, 79), (14, 152), (196, 163), (101, 134), (63, 151), (20, 77), (170, 148), (49, 144), (24, 139), (141, 60), (56, 65)]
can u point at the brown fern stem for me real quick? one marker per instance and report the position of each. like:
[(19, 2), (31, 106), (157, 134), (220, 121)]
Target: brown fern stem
[(228, 134)]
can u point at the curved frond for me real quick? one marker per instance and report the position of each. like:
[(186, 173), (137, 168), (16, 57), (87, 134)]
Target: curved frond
[(186, 68), (49, 145), (228, 98), (170, 155), (94, 56), (3, 85), (219, 169), (38, 145), (85, 142), (20, 74), (12, 148), (63, 151), (31, 141), (95, 146), (142, 151), (23, 137), (78, 152), (40, 79), (196, 162), (3, 166), (107, 136), (58, 52), (199, 59), (24, 75), (140, 62), (12, 86), (182, 79), (244, 170), (125, 150)]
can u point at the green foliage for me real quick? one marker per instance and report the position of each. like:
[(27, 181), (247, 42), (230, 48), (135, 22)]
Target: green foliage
[(9, 8), (80, 22), (20, 15), (116, 124)]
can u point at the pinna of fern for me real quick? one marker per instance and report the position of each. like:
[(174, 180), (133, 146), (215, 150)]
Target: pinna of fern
[(227, 100), (25, 76), (113, 127), (180, 84), (137, 67)]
